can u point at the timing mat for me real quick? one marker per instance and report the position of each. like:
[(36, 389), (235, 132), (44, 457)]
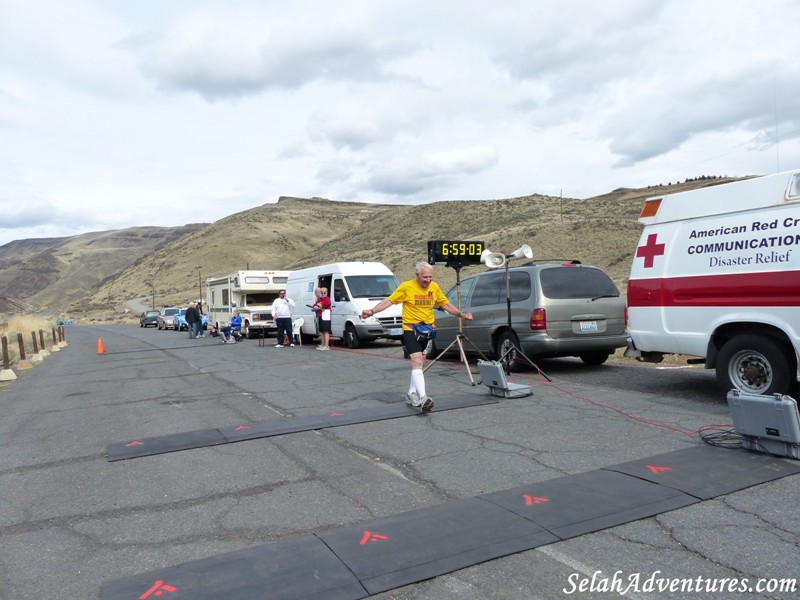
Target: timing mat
[(360, 560), (149, 446)]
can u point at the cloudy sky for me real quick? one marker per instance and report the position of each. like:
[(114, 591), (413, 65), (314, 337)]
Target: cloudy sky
[(116, 113)]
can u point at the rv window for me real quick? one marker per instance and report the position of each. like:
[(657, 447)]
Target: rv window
[(225, 297), (259, 299), (371, 286), (256, 279)]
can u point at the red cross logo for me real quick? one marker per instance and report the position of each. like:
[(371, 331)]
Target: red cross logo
[(650, 250)]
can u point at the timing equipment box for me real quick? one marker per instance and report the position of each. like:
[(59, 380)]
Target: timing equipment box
[(493, 377), (766, 423)]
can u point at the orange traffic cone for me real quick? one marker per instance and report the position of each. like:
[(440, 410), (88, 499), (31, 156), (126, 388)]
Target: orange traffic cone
[(101, 349)]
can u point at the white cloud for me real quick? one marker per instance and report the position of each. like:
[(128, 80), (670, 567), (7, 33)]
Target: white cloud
[(195, 109)]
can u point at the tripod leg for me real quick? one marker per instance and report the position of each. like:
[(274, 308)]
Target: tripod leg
[(441, 354), (464, 358), (519, 352)]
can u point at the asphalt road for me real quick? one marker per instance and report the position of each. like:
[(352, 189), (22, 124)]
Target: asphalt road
[(70, 520)]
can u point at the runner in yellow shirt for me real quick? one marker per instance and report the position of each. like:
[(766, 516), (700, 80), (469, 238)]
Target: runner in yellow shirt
[(418, 296)]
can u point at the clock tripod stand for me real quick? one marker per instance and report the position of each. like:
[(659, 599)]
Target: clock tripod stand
[(460, 337)]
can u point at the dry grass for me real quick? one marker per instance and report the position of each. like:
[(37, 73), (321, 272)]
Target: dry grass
[(25, 326)]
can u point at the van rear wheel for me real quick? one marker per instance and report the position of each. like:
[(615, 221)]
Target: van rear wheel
[(754, 364), (507, 347)]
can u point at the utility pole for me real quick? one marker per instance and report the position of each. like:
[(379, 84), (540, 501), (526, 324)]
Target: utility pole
[(199, 283), (153, 290)]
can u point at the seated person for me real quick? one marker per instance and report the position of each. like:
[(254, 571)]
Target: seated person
[(235, 326)]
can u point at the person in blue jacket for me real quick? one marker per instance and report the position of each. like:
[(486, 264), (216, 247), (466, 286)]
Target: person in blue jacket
[(235, 325)]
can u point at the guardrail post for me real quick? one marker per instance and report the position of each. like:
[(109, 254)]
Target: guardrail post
[(35, 356), (22, 364), (6, 374), (55, 347), (42, 350)]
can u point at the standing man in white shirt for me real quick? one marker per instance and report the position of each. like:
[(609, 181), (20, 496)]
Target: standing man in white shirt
[(282, 315)]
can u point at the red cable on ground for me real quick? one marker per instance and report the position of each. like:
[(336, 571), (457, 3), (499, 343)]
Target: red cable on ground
[(628, 415), (577, 397)]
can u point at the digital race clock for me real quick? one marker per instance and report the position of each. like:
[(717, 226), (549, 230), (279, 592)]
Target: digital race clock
[(454, 253)]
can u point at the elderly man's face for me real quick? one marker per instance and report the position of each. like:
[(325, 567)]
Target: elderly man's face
[(424, 277)]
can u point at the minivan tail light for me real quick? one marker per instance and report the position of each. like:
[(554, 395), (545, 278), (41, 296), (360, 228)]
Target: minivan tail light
[(626, 315), (538, 320)]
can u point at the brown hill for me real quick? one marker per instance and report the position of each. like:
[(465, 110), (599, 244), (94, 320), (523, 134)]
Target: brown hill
[(100, 272), (48, 274)]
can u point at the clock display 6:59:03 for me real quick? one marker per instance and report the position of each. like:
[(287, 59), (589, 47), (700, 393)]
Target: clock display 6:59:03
[(454, 252)]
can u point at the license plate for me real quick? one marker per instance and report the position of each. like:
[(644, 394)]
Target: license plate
[(396, 331), (588, 326)]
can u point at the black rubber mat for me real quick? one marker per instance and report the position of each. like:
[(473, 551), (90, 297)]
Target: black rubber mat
[(420, 544), (150, 446), (291, 569), (706, 471), (578, 504), (261, 429), (163, 444), (382, 554)]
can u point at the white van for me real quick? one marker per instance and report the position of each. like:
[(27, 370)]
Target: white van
[(716, 276), (352, 287)]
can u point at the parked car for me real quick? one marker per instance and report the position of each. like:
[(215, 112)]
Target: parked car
[(556, 310), (148, 318), (179, 321), (165, 317)]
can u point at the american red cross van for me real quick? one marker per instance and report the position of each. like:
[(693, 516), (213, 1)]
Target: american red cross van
[(716, 277)]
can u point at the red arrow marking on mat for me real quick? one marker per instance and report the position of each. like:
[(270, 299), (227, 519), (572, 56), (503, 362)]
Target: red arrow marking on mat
[(134, 444), (337, 414), (530, 500), (658, 469), (370, 537), (158, 588), (240, 427)]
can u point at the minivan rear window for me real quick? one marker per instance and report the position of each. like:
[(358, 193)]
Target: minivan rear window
[(576, 282)]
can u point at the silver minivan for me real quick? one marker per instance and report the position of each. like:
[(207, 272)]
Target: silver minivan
[(546, 310)]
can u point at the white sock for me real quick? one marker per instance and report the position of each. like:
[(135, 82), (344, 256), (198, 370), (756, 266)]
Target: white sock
[(418, 381)]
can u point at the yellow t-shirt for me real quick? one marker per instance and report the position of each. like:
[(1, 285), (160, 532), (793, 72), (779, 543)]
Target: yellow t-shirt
[(418, 302)]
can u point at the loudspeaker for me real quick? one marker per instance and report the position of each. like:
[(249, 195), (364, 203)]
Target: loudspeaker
[(493, 260), (523, 251)]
